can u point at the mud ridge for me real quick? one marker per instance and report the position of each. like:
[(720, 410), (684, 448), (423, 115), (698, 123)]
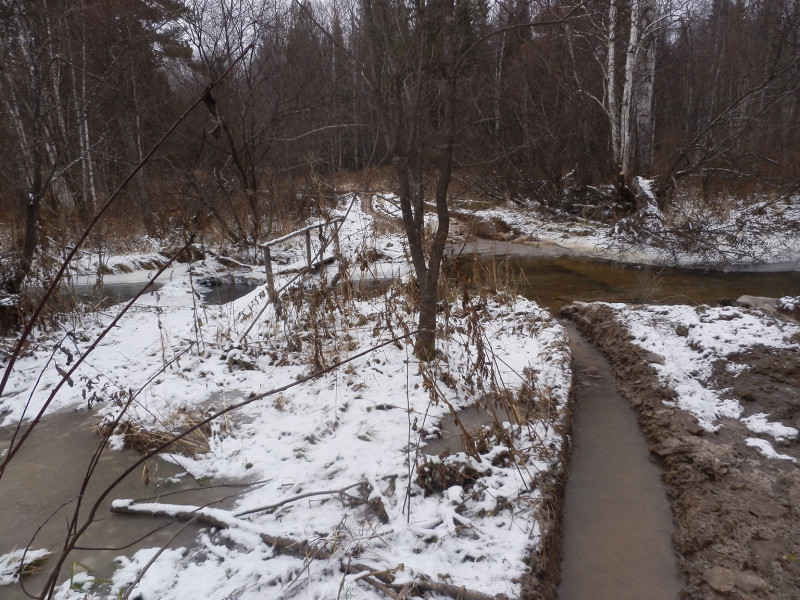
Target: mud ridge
[(541, 581), (737, 514)]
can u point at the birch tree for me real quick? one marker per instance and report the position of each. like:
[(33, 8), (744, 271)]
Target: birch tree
[(636, 110)]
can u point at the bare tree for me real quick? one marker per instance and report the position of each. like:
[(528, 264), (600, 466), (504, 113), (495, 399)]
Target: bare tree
[(410, 66)]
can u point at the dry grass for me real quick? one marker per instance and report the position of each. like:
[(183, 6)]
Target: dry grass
[(33, 567), (148, 438)]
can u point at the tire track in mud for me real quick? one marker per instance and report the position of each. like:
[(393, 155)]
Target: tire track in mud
[(737, 514), (617, 525)]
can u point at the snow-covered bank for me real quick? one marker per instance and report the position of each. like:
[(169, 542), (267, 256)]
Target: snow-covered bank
[(696, 345), (690, 235), (469, 518)]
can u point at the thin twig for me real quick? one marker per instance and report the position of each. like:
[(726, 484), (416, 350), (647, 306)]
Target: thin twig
[(300, 497)]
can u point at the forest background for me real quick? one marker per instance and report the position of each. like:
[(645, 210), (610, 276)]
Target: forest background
[(547, 103)]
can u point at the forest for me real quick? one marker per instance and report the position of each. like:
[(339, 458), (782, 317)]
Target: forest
[(277, 106), (312, 298)]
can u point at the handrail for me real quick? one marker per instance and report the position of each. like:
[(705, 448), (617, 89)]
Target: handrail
[(273, 294), (289, 236)]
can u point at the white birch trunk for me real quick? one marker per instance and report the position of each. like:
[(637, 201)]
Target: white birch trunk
[(644, 90), (612, 103), (498, 79), (628, 90)]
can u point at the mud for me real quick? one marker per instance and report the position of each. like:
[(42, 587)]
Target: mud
[(737, 513)]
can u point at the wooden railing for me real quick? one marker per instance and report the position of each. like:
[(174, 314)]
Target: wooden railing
[(309, 259), (274, 295)]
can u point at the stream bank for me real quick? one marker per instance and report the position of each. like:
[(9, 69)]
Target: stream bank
[(737, 513), (41, 486)]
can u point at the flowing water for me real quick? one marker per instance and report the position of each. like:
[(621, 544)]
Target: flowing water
[(556, 281)]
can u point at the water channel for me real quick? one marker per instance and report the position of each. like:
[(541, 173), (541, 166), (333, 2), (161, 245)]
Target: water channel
[(51, 466), (617, 525)]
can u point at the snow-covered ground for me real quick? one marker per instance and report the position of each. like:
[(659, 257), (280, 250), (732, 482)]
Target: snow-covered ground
[(460, 518), (765, 232), (692, 342)]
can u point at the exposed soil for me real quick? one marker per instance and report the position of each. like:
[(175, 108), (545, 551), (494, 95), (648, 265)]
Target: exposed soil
[(737, 513)]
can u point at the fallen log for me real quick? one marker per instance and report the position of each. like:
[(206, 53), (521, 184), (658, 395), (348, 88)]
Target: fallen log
[(220, 519), (223, 519)]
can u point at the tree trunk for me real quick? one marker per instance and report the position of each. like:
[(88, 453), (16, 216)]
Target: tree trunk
[(644, 91), (425, 346), (24, 264), (428, 290), (627, 147), (612, 102)]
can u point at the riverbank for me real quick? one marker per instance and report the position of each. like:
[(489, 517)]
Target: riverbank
[(332, 416), (763, 236), (342, 469), (717, 393)]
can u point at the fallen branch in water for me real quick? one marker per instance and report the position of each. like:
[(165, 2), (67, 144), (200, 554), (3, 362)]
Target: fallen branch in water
[(381, 579)]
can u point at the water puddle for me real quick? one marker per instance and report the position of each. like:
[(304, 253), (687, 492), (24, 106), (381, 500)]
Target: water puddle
[(48, 472), (617, 525), (222, 293), (112, 293), (473, 419)]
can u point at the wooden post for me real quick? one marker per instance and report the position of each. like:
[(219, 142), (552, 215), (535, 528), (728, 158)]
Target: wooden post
[(308, 247), (271, 281), (268, 268)]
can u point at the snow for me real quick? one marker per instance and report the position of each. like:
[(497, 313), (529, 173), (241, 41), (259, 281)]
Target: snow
[(766, 449), (758, 423), (172, 358), (692, 340), (789, 303), (690, 234), (11, 563)]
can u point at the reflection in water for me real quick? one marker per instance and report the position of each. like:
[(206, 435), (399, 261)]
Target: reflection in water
[(554, 282), (44, 481)]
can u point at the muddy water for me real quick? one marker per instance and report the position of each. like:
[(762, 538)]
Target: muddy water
[(473, 419), (556, 281), (617, 525), (48, 472), (115, 293)]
